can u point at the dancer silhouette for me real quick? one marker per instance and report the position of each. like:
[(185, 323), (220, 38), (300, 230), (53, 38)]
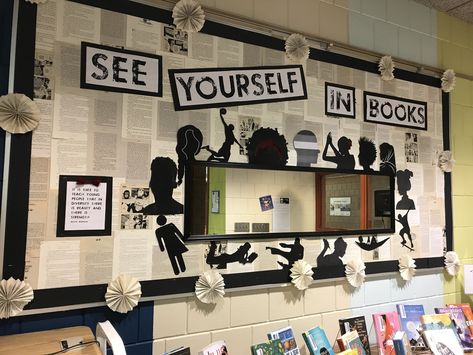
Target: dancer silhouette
[(223, 154), (296, 252), (334, 259), (241, 256), (342, 157), (162, 184), (406, 229), (170, 239)]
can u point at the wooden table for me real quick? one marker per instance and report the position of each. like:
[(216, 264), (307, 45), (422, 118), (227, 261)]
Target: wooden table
[(40, 343)]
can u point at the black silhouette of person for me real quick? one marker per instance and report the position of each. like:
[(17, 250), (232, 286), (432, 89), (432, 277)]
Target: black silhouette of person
[(223, 154), (241, 256), (170, 239), (388, 159), (342, 157), (334, 259), (406, 229), (162, 184), (403, 178), (367, 153), (189, 144), (296, 252)]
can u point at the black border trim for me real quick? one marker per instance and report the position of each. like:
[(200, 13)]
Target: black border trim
[(17, 213), (85, 85), (179, 107), (61, 208), (332, 114), (365, 119)]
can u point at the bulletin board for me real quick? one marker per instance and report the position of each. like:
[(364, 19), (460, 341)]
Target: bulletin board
[(89, 133)]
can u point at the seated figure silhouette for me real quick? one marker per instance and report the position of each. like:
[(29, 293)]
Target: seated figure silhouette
[(342, 157), (296, 252), (241, 256), (162, 183), (170, 240), (334, 259)]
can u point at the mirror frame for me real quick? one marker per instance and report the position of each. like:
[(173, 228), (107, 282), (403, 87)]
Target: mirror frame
[(277, 235)]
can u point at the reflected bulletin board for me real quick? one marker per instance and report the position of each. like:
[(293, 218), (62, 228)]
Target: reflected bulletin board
[(90, 137)]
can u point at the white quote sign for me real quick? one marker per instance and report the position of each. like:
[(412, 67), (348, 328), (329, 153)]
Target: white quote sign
[(85, 206), (395, 111), (220, 87), (114, 69)]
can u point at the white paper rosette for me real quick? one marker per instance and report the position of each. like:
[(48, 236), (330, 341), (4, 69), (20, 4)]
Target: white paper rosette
[(123, 293), (14, 295), (210, 287), (297, 48), (188, 16), (448, 80), (452, 263), (355, 272), (386, 68), (407, 267), (18, 113), (301, 274), (445, 161)]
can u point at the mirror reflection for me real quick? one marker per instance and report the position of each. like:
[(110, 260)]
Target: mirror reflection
[(230, 200)]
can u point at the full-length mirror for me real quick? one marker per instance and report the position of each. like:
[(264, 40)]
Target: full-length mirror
[(240, 200)]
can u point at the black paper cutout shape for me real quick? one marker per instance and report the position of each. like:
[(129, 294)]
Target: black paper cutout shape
[(342, 157), (404, 185), (367, 153), (267, 147), (241, 256), (223, 154), (162, 184), (306, 147), (296, 252), (388, 159), (405, 230), (371, 244), (189, 144), (334, 259), (170, 239)]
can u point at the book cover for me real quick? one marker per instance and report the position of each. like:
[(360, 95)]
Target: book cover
[(409, 317), (349, 352), (402, 344), (443, 342), (317, 342), (459, 322), (386, 325), (359, 324), (436, 321), (180, 351), (351, 340), (216, 348), (288, 341), (272, 347), (467, 312)]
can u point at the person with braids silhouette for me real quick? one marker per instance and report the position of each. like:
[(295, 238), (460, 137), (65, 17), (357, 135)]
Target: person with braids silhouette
[(162, 184), (170, 240), (223, 154), (342, 157), (189, 144)]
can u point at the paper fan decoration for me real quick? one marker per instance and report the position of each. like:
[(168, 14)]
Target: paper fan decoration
[(386, 67), (188, 16), (407, 267), (123, 293), (355, 272), (445, 161), (18, 113), (210, 287), (448, 80), (297, 48), (14, 295), (452, 263), (301, 274)]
